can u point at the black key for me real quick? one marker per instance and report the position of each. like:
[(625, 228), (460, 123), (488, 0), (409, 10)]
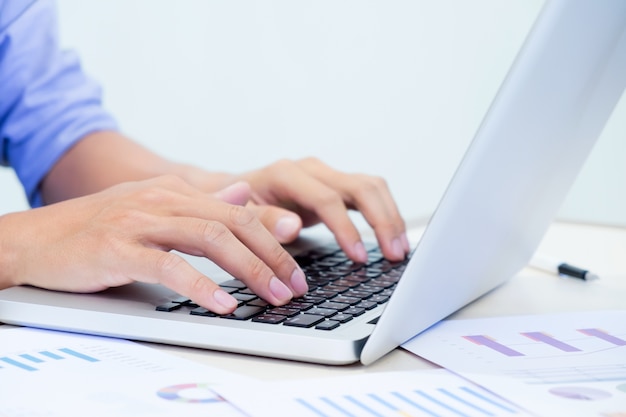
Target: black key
[(201, 311), (284, 311), (244, 297), (244, 313), (358, 293), (258, 303), (380, 299), (337, 289), (342, 317), (171, 306), (346, 299), (312, 298), (346, 283), (181, 300), (334, 305), (324, 312), (303, 320), (354, 311), (328, 325), (368, 305), (233, 283), (269, 318), (299, 305), (325, 294)]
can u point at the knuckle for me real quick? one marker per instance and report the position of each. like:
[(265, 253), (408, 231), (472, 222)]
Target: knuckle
[(282, 167), (168, 263), (368, 185), (152, 196), (256, 268), (198, 285), (241, 216), (213, 232), (281, 256), (311, 161), (329, 197)]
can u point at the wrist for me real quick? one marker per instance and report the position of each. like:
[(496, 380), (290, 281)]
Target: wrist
[(8, 251)]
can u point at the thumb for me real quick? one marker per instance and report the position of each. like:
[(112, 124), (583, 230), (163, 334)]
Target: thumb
[(237, 193), (283, 224)]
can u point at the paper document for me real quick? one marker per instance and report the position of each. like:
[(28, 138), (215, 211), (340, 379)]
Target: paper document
[(47, 373), (569, 364), (408, 394)]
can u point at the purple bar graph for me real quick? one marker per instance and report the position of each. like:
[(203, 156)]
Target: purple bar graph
[(601, 334), (492, 344), (547, 339)]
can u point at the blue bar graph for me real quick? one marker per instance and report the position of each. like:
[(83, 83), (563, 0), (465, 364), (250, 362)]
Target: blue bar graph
[(51, 355), (18, 364), (33, 361), (463, 401), (31, 358), (78, 355)]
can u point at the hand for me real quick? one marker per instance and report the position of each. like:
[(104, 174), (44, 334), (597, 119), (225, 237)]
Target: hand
[(125, 234), (289, 195)]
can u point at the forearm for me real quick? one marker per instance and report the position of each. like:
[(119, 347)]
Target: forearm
[(103, 159)]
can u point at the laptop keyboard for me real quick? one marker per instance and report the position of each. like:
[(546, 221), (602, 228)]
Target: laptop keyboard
[(339, 290)]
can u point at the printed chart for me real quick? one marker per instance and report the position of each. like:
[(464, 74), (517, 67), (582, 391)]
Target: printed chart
[(393, 394), (572, 363), (32, 361), (74, 375)]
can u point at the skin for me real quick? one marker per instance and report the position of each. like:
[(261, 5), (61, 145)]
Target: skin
[(115, 211)]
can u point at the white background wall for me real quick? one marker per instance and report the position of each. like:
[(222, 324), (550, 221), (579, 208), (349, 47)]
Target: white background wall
[(395, 88)]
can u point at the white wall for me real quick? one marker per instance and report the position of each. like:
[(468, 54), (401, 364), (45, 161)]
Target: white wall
[(396, 88)]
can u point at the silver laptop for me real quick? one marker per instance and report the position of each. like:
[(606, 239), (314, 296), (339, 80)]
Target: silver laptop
[(551, 108)]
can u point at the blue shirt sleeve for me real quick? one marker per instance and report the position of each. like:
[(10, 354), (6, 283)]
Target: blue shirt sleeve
[(47, 103)]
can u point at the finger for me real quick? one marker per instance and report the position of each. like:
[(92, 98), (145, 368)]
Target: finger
[(174, 272), (237, 193), (372, 197), (253, 256), (293, 184), (284, 225)]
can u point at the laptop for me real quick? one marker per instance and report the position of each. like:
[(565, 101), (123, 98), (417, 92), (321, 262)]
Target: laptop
[(552, 106)]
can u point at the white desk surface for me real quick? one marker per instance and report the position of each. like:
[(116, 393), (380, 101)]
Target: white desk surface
[(599, 248)]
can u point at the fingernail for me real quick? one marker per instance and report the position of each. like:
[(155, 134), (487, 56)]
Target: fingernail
[(405, 243), (225, 299), (397, 249), (298, 282), (280, 290), (360, 252), (286, 228)]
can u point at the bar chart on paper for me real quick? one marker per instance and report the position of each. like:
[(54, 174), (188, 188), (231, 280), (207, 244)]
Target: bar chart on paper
[(393, 394), (33, 361), (575, 360), (72, 374), (457, 401)]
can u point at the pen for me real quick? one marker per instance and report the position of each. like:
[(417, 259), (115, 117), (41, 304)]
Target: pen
[(558, 267)]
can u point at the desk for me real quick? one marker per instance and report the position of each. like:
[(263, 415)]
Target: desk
[(601, 249)]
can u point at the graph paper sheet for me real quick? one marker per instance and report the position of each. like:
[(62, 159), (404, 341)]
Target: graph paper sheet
[(46, 373), (570, 364)]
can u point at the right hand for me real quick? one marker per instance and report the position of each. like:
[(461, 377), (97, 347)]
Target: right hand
[(126, 233)]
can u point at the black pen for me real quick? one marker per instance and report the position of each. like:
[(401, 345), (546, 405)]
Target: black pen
[(558, 267)]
